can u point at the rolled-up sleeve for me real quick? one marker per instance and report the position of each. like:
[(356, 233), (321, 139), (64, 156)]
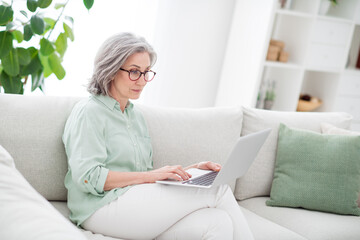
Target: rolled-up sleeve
[(96, 182), (86, 150)]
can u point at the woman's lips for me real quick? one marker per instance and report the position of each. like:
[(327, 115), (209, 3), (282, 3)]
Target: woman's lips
[(136, 90)]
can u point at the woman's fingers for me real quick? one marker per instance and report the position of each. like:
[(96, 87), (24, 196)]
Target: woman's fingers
[(181, 172), (209, 166), (176, 172)]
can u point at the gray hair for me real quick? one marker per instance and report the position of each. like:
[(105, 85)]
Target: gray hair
[(112, 55)]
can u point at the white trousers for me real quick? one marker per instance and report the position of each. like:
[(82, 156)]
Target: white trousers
[(150, 211)]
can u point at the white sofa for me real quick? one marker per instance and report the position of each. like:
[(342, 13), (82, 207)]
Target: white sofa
[(31, 129)]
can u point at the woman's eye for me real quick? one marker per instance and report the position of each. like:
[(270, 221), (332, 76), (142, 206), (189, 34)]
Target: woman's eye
[(134, 71)]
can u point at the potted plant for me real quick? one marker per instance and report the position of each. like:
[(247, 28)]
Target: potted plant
[(325, 6), (269, 99), (29, 46)]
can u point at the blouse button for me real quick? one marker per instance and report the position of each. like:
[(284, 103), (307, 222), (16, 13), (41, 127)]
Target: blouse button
[(86, 181)]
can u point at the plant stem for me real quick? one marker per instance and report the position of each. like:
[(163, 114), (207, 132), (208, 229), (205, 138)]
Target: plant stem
[(62, 11)]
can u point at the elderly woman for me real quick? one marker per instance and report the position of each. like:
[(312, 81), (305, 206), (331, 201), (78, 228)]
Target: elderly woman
[(111, 181)]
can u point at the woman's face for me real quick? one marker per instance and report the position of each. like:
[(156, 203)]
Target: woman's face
[(122, 88)]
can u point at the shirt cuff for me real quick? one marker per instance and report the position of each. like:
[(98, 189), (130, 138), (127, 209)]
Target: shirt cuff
[(101, 180)]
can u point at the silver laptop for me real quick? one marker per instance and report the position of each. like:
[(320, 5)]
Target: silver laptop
[(241, 157)]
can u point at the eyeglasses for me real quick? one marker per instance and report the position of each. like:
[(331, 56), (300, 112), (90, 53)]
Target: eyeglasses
[(134, 75)]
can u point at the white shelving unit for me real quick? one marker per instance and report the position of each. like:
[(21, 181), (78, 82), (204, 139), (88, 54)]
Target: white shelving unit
[(323, 50)]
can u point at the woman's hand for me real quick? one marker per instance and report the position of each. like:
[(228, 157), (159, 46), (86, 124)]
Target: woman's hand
[(206, 166), (123, 179), (209, 166), (173, 172)]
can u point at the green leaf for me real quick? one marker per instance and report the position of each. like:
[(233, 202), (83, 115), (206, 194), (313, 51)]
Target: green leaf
[(32, 5), (24, 56), (10, 25), (46, 67), (70, 19), (49, 21), (24, 13), (46, 47), (18, 36), (55, 65), (34, 65), (27, 33), (44, 3), (37, 79), (6, 15), (37, 24), (49, 24), (68, 31), (88, 4), (11, 84), (61, 44), (6, 43), (59, 5), (11, 63)]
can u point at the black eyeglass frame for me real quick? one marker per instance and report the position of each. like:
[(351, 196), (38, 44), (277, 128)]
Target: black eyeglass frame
[(141, 73)]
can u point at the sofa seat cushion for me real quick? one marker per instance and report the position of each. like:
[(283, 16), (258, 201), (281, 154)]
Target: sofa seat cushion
[(64, 210), (264, 229), (309, 224)]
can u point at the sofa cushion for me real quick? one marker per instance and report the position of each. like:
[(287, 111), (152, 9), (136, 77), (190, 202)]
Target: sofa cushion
[(315, 171), (61, 206), (31, 129), (187, 136), (307, 223), (263, 229), (25, 213), (327, 128), (257, 181)]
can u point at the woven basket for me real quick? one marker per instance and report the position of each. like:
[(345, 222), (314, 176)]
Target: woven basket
[(307, 106)]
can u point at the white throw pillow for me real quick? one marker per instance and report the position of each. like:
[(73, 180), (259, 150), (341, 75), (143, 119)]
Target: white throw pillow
[(257, 181), (182, 136), (25, 214), (327, 128)]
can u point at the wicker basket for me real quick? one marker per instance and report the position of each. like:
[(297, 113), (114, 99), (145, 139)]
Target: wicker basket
[(307, 106)]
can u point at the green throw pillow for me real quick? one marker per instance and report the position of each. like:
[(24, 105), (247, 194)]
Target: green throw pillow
[(316, 172)]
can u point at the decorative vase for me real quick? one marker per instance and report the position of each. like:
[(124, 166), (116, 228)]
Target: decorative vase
[(324, 7), (268, 104)]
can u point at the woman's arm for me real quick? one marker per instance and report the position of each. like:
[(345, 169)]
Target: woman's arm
[(122, 179)]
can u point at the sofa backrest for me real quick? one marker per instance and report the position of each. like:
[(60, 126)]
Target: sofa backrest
[(187, 136), (31, 129)]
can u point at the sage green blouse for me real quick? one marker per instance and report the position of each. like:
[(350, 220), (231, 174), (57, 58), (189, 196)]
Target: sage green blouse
[(99, 137)]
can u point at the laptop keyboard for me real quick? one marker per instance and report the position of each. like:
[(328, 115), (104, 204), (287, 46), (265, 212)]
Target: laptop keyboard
[(203, 180)]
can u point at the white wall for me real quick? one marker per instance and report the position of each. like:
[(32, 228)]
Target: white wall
[(246, 50), (189, 36), (91, 28), (190, 40)]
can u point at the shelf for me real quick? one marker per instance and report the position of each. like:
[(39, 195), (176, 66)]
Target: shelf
[(294, 13), (334, 19), (354, 71), (323, 70), (282, 65), (294, 43)]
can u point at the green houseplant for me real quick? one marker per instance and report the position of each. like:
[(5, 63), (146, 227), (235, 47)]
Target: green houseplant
[(32, 43)]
